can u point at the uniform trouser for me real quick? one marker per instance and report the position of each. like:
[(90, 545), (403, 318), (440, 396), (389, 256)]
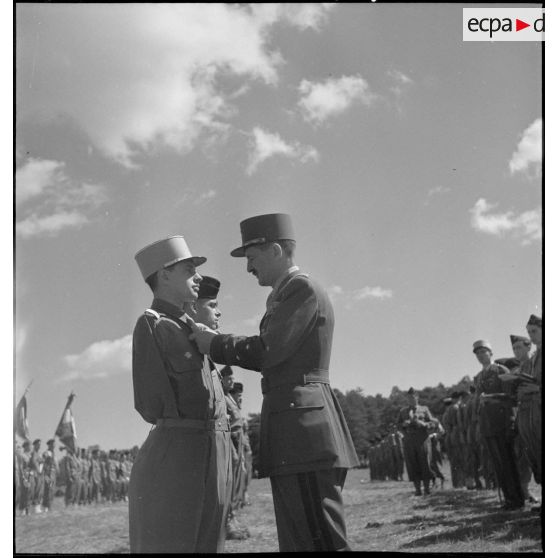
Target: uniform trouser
[(309, 511), (48, 492), (26, 494), (37, 496), (70, 494), (472, 463), (502, 456), (179, 489), (95, 491), (416, 458), (523, 467), (529, 425)]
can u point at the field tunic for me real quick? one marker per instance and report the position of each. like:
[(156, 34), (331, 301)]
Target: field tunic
[(302, 424), (180, 480)]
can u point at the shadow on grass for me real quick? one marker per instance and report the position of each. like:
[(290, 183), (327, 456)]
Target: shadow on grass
[(504, 527)]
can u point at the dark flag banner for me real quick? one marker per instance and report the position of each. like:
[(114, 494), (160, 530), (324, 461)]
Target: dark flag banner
[(66, 429), (21, 427)]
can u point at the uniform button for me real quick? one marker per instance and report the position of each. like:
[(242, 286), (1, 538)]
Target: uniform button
[(292, 405), (219, 423)]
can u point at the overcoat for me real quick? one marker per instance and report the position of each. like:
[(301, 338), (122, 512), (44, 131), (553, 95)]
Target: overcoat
[(302, 424)]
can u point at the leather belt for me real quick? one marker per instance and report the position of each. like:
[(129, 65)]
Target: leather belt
[(219, 425), (274, 381)]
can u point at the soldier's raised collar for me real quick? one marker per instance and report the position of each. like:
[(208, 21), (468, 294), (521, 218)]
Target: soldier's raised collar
[(164, 307)]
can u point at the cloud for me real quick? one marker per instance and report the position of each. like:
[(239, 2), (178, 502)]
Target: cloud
[(48, 201), (526, 225), (264, 144), (528, 153), (400, 80), (35, 176), (136, 76), (206, 196), (438, 190), (322, 100), (337, 293), (100, 360)]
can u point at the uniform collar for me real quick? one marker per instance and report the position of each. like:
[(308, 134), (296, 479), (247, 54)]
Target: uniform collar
[(282, 277), (160, 305)]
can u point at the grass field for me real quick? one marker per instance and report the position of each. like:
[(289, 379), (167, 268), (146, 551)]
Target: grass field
[(381, 516)]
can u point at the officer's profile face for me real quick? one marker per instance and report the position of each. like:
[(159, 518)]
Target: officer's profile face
[(484, 355), (520, 350), (182, 281), (238, 398), (261, 262), (535, 334), (207, 312)]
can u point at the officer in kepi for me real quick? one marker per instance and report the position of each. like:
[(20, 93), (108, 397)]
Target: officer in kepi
[(180, 481), (305, 444)]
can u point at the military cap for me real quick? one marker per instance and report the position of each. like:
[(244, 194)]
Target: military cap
[(209, 287), (515, 338), (50, 442), (226, 371), (37, 441), (262, 229), (237, 388), (165, 253), (26, 444), (481, 344), (447, 401), (411, 391), (535, 320)]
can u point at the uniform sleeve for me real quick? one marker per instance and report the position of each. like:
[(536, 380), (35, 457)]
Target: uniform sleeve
[(153, 395), (286, 328)]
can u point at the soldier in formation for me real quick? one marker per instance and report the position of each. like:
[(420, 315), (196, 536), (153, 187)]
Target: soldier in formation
[(416, 423)]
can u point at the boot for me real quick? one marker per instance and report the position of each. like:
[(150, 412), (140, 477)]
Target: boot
[(417, 488), (426, 487)]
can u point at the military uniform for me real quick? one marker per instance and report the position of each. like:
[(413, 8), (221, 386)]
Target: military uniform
[(415, 421), (27, 480), (305, 444), (36, 471), (50, 471), (496, 428), (95, 477), (180, 478)]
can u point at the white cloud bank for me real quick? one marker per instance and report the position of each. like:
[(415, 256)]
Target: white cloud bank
[(264, 144), (100, 360), (57, 202), (528, 154), (138, 75), (526, 225), (321, 100), (337, 293)]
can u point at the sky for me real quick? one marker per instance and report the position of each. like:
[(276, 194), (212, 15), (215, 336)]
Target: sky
[(409, 160)]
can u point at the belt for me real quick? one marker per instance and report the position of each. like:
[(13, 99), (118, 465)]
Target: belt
[(274, 381), (220, 425)]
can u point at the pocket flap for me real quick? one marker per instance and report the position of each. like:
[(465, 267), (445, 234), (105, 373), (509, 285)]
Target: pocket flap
[(289, 398)]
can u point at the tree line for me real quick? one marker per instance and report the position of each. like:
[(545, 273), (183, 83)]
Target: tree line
[(370, 415)]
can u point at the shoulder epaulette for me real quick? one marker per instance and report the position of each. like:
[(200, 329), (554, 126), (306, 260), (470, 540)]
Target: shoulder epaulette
[(151, 312)]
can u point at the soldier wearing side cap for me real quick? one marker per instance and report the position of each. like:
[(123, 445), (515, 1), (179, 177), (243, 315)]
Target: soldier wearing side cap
[(50, 470), (416, 422), (27, 480), (305, 445), (36, 467), (496, 424), (529, 394), (179, 483)]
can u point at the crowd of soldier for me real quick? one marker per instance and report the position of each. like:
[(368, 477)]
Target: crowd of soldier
[(88, 476), (490, 433)]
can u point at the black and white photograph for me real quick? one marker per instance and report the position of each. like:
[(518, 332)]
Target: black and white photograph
[(278, 277)]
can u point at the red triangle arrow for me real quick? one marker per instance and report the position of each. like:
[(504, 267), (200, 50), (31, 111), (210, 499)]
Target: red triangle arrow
[(519, 25)]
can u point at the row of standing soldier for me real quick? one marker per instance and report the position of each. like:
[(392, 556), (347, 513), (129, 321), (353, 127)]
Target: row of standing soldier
[(493, 430), (88, 476)]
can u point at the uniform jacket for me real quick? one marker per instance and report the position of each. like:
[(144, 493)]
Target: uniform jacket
[(180, 384), (50, 468), (407, 421), (302, 425), (95, 472), (495, 411)]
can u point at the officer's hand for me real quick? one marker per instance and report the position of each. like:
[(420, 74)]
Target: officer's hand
[(203, 336)]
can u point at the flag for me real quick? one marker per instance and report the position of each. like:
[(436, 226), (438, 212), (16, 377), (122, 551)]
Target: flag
[(66, 429), (21, 427)]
